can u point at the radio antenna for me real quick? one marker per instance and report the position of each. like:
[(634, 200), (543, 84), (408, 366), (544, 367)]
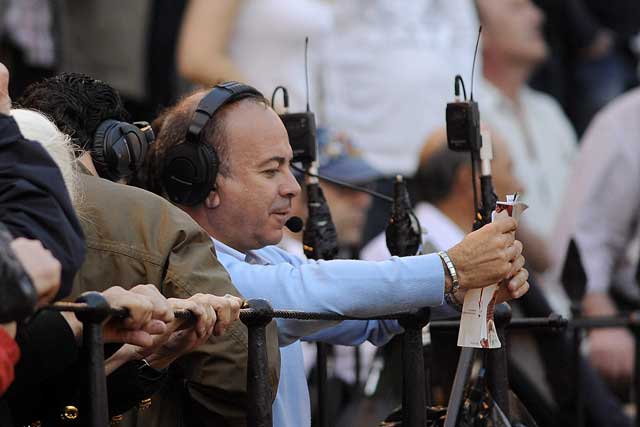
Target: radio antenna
[(475, 54), (306, 68)]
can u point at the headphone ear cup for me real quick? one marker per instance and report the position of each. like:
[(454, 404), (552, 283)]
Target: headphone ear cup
[(103, 140), (189, 173), (118, 150)]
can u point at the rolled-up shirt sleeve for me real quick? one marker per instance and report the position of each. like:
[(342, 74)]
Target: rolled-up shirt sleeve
[(361, 289)]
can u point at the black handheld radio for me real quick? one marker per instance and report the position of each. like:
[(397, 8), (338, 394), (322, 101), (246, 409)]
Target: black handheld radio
[(463, 134), (319, 238)]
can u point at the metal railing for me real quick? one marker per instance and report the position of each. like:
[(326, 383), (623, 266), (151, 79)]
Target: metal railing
[(92, 309)]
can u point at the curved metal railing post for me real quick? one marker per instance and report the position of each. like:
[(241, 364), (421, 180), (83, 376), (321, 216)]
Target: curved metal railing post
[(414, 398), (259, 392), (497, 360), (98, 310)]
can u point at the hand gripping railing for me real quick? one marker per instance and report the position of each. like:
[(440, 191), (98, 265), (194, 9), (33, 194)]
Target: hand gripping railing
[(92, 309)]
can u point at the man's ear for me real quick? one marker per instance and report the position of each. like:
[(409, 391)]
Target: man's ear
[(213, 200)]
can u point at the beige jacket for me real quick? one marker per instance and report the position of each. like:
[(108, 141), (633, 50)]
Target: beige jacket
[(135, 237)]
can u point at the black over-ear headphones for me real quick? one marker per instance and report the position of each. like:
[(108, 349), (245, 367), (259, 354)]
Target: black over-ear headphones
[(119, 148), (190, 168)]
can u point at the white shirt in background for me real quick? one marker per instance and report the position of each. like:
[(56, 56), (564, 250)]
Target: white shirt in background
[(390, 71), (603, 201), (440, 231), (267, 46)]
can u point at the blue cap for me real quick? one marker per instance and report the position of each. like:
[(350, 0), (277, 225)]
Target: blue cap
[(340, 159)]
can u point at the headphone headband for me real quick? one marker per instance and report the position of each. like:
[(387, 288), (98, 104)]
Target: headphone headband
[(220, 95)]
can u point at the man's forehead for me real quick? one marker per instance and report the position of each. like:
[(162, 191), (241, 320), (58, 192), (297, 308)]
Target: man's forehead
[(256, 133)]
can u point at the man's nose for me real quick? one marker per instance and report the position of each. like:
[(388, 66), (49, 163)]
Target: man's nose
[(290, 188)]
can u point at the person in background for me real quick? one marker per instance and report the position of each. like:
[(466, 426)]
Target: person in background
[(28, 41), (593, 54), (260, 42), (339, 159), (144, 73), (540, 139), (537, 366), (601, 216), (444, 203), (388, 75)]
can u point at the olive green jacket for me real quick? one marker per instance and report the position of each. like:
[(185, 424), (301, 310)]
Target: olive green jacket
[(135, 237)]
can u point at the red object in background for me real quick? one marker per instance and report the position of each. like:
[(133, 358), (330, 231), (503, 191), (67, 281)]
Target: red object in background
[(9, 355)]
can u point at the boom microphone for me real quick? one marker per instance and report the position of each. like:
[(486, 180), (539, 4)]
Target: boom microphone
[(294, 224)]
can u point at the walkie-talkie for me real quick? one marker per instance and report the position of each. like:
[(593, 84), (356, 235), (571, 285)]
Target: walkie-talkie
[(301, 127), (463, 116), (463, 134)]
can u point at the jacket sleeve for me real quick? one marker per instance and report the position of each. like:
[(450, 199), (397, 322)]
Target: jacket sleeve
[(216, 372), (34, 202)]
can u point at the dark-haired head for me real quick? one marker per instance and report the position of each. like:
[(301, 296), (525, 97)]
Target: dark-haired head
[(443, 173), (76, 103), (438, 169)]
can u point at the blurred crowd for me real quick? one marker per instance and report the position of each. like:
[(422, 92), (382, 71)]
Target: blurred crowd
[(555, 83)]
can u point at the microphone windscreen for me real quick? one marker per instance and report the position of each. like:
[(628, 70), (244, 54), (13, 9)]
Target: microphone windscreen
[(294, 224)]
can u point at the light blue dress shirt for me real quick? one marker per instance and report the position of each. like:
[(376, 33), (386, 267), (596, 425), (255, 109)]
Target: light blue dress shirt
[(348, 287)]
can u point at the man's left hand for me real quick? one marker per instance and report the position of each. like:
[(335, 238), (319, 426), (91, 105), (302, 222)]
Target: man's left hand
[(513, 288)]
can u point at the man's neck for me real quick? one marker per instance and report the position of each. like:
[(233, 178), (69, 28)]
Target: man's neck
[(508, 77), (461, 213), (199, 215)]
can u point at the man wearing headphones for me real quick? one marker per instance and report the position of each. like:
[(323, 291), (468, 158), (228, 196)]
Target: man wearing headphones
[(223, 156), (136, 237)]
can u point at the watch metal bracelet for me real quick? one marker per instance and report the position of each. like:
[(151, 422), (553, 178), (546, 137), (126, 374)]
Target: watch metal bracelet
[(455, 283)]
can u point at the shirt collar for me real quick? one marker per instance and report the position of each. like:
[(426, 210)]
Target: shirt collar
[(251, 257)]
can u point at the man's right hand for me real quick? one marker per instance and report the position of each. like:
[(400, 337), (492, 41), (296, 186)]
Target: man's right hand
[(43, 269), (488, 255)]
